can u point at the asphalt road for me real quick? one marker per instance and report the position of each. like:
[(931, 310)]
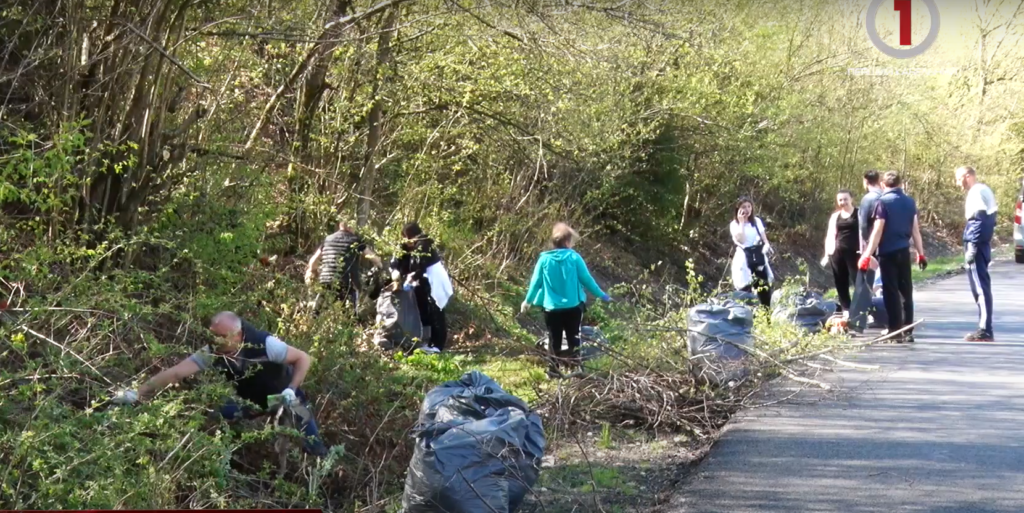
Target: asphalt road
[(938, 428)]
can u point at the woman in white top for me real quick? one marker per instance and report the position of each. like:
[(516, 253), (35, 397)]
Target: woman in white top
[(750, 269)]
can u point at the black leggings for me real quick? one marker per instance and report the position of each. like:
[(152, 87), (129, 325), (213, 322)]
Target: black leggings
[(761, 286), (844, 270), (567, 320), (431, 315)]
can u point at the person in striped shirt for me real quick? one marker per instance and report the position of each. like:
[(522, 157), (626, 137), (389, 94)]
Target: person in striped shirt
[(338, 260)]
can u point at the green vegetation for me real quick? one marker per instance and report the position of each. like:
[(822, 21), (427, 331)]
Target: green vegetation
[(162, 160), (939, 267)]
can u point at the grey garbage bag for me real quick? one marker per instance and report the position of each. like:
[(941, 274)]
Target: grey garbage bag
[(717, 334), (398, 321), (592, 342), (478, 450), (805, 308)]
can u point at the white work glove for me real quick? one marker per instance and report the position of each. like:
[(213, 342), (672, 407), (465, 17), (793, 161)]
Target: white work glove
[(970, 253), (410, 281), (824, 261), (289, 396), (395, 275), (768, 250), (126, 397), (523, 308)]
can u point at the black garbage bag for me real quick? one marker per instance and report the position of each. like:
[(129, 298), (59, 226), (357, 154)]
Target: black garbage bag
[(478, 450), (717, 334), (398, 321), (807, 309)]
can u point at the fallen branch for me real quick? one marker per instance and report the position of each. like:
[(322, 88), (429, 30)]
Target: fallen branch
[(793, 376)]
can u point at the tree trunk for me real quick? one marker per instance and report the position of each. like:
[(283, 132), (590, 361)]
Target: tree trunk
[(982, 86), (374, 119)]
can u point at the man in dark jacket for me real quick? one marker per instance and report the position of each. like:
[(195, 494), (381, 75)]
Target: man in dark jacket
[(980, 210), (895, 224), (865, 280), (257, 363)]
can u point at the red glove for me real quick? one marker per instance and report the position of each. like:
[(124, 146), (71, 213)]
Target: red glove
[(864, 263)]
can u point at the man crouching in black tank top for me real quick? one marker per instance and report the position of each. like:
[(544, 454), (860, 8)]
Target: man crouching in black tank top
[(257, 363)]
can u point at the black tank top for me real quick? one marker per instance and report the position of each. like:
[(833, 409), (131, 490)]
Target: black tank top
[(848, 232)]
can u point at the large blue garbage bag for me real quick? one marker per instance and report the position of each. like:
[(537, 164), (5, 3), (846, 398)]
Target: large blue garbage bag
[(478, 450), (718, 335)]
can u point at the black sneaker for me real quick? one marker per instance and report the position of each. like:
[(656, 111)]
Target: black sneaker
[(980, 336)]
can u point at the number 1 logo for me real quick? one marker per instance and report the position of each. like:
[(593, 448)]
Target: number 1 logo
[(903, 7)]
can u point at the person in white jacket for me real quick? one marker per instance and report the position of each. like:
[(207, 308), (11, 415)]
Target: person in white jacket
[(418, 265), (751, 271)]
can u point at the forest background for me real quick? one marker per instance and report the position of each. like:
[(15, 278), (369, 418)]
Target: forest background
[(162, 160)]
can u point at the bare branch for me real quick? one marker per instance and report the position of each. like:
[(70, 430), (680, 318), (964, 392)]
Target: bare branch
[(163, 52)]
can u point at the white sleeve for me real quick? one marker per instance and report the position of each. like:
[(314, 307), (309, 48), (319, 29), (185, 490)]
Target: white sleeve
[(990, 200), (276, 349), (980, 197), (734, 230), (971, 202)]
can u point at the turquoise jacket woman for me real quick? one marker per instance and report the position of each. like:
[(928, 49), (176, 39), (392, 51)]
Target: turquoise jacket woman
[(561, 280)]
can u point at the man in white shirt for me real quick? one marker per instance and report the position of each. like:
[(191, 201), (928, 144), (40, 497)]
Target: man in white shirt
[(980, 211)]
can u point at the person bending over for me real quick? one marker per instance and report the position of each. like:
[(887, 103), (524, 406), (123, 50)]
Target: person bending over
[(257, 363)]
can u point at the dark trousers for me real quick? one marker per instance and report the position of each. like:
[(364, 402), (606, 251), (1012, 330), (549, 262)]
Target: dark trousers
[(336, 291), (861, 304), (761, 286), (439, 328), (424, 301), (312, 444), (897, 288), (568, 321), (981, 286), (844, 270)]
